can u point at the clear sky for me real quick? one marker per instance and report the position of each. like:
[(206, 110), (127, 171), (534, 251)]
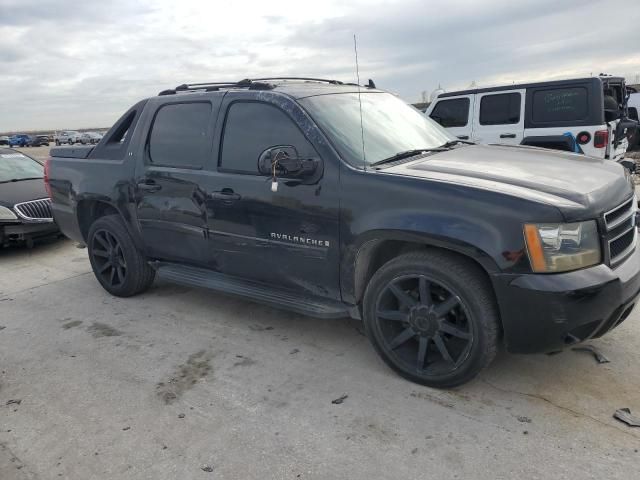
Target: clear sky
[(75, 63)]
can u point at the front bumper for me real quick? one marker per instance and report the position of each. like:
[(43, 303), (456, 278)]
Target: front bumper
[(15, 233), (542, 313)]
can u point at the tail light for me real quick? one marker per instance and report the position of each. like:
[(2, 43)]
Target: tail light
[(46, 176), (601, 138)]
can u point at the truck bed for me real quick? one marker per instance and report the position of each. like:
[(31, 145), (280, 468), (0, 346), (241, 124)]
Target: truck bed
[(72, 152)]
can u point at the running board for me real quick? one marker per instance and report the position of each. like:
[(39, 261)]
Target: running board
[(274, 297)]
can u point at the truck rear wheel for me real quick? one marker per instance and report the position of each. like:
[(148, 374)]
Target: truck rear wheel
[(432, 318), (116, 262)]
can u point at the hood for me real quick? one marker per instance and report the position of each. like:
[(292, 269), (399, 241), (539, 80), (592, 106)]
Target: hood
[(22, 191), (578, 185)]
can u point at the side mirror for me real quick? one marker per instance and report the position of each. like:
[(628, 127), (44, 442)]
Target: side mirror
[(286, 162)]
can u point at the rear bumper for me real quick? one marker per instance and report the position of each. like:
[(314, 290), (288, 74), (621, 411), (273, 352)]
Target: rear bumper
[(21, 232), (542, 313)]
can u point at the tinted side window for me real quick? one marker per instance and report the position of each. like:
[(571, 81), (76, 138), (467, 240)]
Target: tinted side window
[(451, 113), (251, 128), (179, 136), (500, 109), (560, 104)]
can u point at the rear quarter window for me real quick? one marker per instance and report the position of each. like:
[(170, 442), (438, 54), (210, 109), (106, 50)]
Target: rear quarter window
[(560, 105), (451, 113)]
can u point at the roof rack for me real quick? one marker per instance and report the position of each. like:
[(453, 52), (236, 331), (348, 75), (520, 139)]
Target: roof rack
[(306, 79), (370, 84), (215, 86), (251, 84)]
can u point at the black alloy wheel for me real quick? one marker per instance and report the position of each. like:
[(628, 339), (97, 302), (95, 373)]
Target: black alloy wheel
[(109, 258), (120, 267), (424, 325), (432, 317)]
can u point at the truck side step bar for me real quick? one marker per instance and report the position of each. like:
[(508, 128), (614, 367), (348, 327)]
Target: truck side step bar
[(258, 292)]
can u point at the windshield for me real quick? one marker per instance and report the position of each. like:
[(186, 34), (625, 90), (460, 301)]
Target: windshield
[(15, 166), (390, 125)]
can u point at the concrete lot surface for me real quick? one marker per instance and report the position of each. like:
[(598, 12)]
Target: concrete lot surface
[(178, 381)]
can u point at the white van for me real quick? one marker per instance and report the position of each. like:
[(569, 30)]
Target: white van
[(587, 115)]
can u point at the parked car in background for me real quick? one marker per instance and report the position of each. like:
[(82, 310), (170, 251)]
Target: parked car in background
[(587, 115), (25, 209), (4, 140), (68, 137), (38, 141), (90, 138), (19, 140), (264, 189)]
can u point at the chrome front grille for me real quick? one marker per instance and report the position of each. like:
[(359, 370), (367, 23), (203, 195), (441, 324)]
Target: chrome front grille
[(35, 210), (622, 234)]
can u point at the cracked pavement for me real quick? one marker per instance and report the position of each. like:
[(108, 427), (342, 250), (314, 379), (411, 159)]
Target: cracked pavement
[(179, 381)]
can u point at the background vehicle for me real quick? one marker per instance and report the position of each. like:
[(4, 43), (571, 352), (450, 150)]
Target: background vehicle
[(4, 140), (264, 189), (90, 138), (19, 140), (587, 115), (25, 209), (633, 105), (38, 141), (69, 137)]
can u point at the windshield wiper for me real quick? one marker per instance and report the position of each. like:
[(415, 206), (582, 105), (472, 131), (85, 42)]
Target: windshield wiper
[(406, 154), (453, 143), (21, 179)]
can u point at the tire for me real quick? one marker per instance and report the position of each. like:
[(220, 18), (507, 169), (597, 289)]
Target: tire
[(57, 143), (116, 262), (432, 317)]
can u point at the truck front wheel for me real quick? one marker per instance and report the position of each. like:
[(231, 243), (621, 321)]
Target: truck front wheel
[(432, 317), (116, 262)]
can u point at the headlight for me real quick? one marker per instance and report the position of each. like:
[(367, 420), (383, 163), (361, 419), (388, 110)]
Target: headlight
[(560, 247), (6, 214)]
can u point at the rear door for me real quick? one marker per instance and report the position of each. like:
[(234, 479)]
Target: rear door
[(170, 202), (454, 114), (499, 117)]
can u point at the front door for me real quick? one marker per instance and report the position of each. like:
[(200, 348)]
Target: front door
[(455, 114), (499, 117), (284, 235)]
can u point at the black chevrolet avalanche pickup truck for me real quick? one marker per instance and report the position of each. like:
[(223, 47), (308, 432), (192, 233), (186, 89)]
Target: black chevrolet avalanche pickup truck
[(331, 199)]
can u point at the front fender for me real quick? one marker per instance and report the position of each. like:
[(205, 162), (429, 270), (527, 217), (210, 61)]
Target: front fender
[(456, 237)]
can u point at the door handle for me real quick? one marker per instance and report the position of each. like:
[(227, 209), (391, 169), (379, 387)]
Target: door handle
[(463, 137), (507, 135), (226, 195), (149, 186)]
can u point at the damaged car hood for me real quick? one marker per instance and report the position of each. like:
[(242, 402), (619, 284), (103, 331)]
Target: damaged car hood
[(578, 185)]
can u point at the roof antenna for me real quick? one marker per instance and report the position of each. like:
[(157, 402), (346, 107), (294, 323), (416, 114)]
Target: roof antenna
[(364, 156)]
